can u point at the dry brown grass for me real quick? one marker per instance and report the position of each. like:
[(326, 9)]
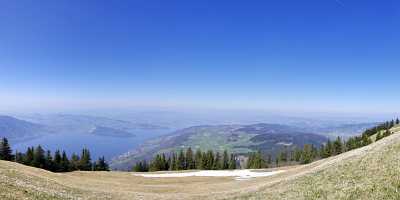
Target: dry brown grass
[(371, 172)]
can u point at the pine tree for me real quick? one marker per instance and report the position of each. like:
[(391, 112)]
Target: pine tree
[(65, 165), (190, 163), (164, 163), (269, 160), (386, 133), (256, 161), (291, 156), (397, 121), (181, 160), (49, 161), (57, 161), (297, 154), (199, 159), (157, 163), (209, 160), (329, 149), (141, 167), (101, 165), (225, 160), (85, 162), (232, 162), (283, 156), (366, 140), (28, 158), (217, 161), (378, 136), (5, 150), (173, 164), (74, 163), (39, 157), (19, 157), (306, 156), (338, 146)]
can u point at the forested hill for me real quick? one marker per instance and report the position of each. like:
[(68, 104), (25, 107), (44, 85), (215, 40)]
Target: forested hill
[(237, 139)]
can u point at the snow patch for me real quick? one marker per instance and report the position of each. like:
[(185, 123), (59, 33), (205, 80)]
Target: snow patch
[(244, 174)]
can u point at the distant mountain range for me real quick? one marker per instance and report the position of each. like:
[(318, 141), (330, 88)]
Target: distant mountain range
[(28, 127), (270, 138), (20, 130), (86, 123)]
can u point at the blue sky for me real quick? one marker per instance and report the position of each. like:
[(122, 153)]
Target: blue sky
[(309, 55)]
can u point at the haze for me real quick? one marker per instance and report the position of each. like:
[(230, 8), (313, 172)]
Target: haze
[(302, 56)]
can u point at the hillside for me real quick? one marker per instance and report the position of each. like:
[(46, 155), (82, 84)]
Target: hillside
[(370, 172), (269, 138), (19, 130), (85, 123)]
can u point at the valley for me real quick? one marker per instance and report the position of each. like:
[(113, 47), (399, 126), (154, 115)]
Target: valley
[(369, 172)]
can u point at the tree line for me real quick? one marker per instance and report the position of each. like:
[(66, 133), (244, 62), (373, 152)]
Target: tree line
[(211, 160), (186, 160), (57, 162), (310, 153)]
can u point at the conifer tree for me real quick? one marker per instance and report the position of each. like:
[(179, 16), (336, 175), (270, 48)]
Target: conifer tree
[(306, 156), (101, 165), (173, 165), (386, 133), (57, 161), (269, 159), (199, 159), (164, 162), (232, 162), (181, 160), (378, 136), (397, 121), (39, 157), (225, 160), (366, 140), (19, 157), (5, 150), (297, 154), (217, 161), (190, 163), (49, 161), (74, 163), (283, 155), (28, 158), (338, 146), (65, 165), (204, 161), (141, 167), (209, 160), (85, 162)]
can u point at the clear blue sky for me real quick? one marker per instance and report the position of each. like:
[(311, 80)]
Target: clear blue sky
[(314, 55)]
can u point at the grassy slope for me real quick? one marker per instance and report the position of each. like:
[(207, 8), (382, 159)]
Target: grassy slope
[(371, 172)]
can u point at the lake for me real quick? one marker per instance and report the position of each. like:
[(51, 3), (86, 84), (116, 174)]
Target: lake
[(98, 145)]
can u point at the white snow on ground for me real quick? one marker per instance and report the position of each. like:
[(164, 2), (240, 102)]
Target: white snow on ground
[(238, 174)]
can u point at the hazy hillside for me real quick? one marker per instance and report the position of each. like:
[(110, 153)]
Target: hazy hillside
[(19, 130), (105, 131), (370, 172), (270, 138), (86, 123), (343, 130)]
